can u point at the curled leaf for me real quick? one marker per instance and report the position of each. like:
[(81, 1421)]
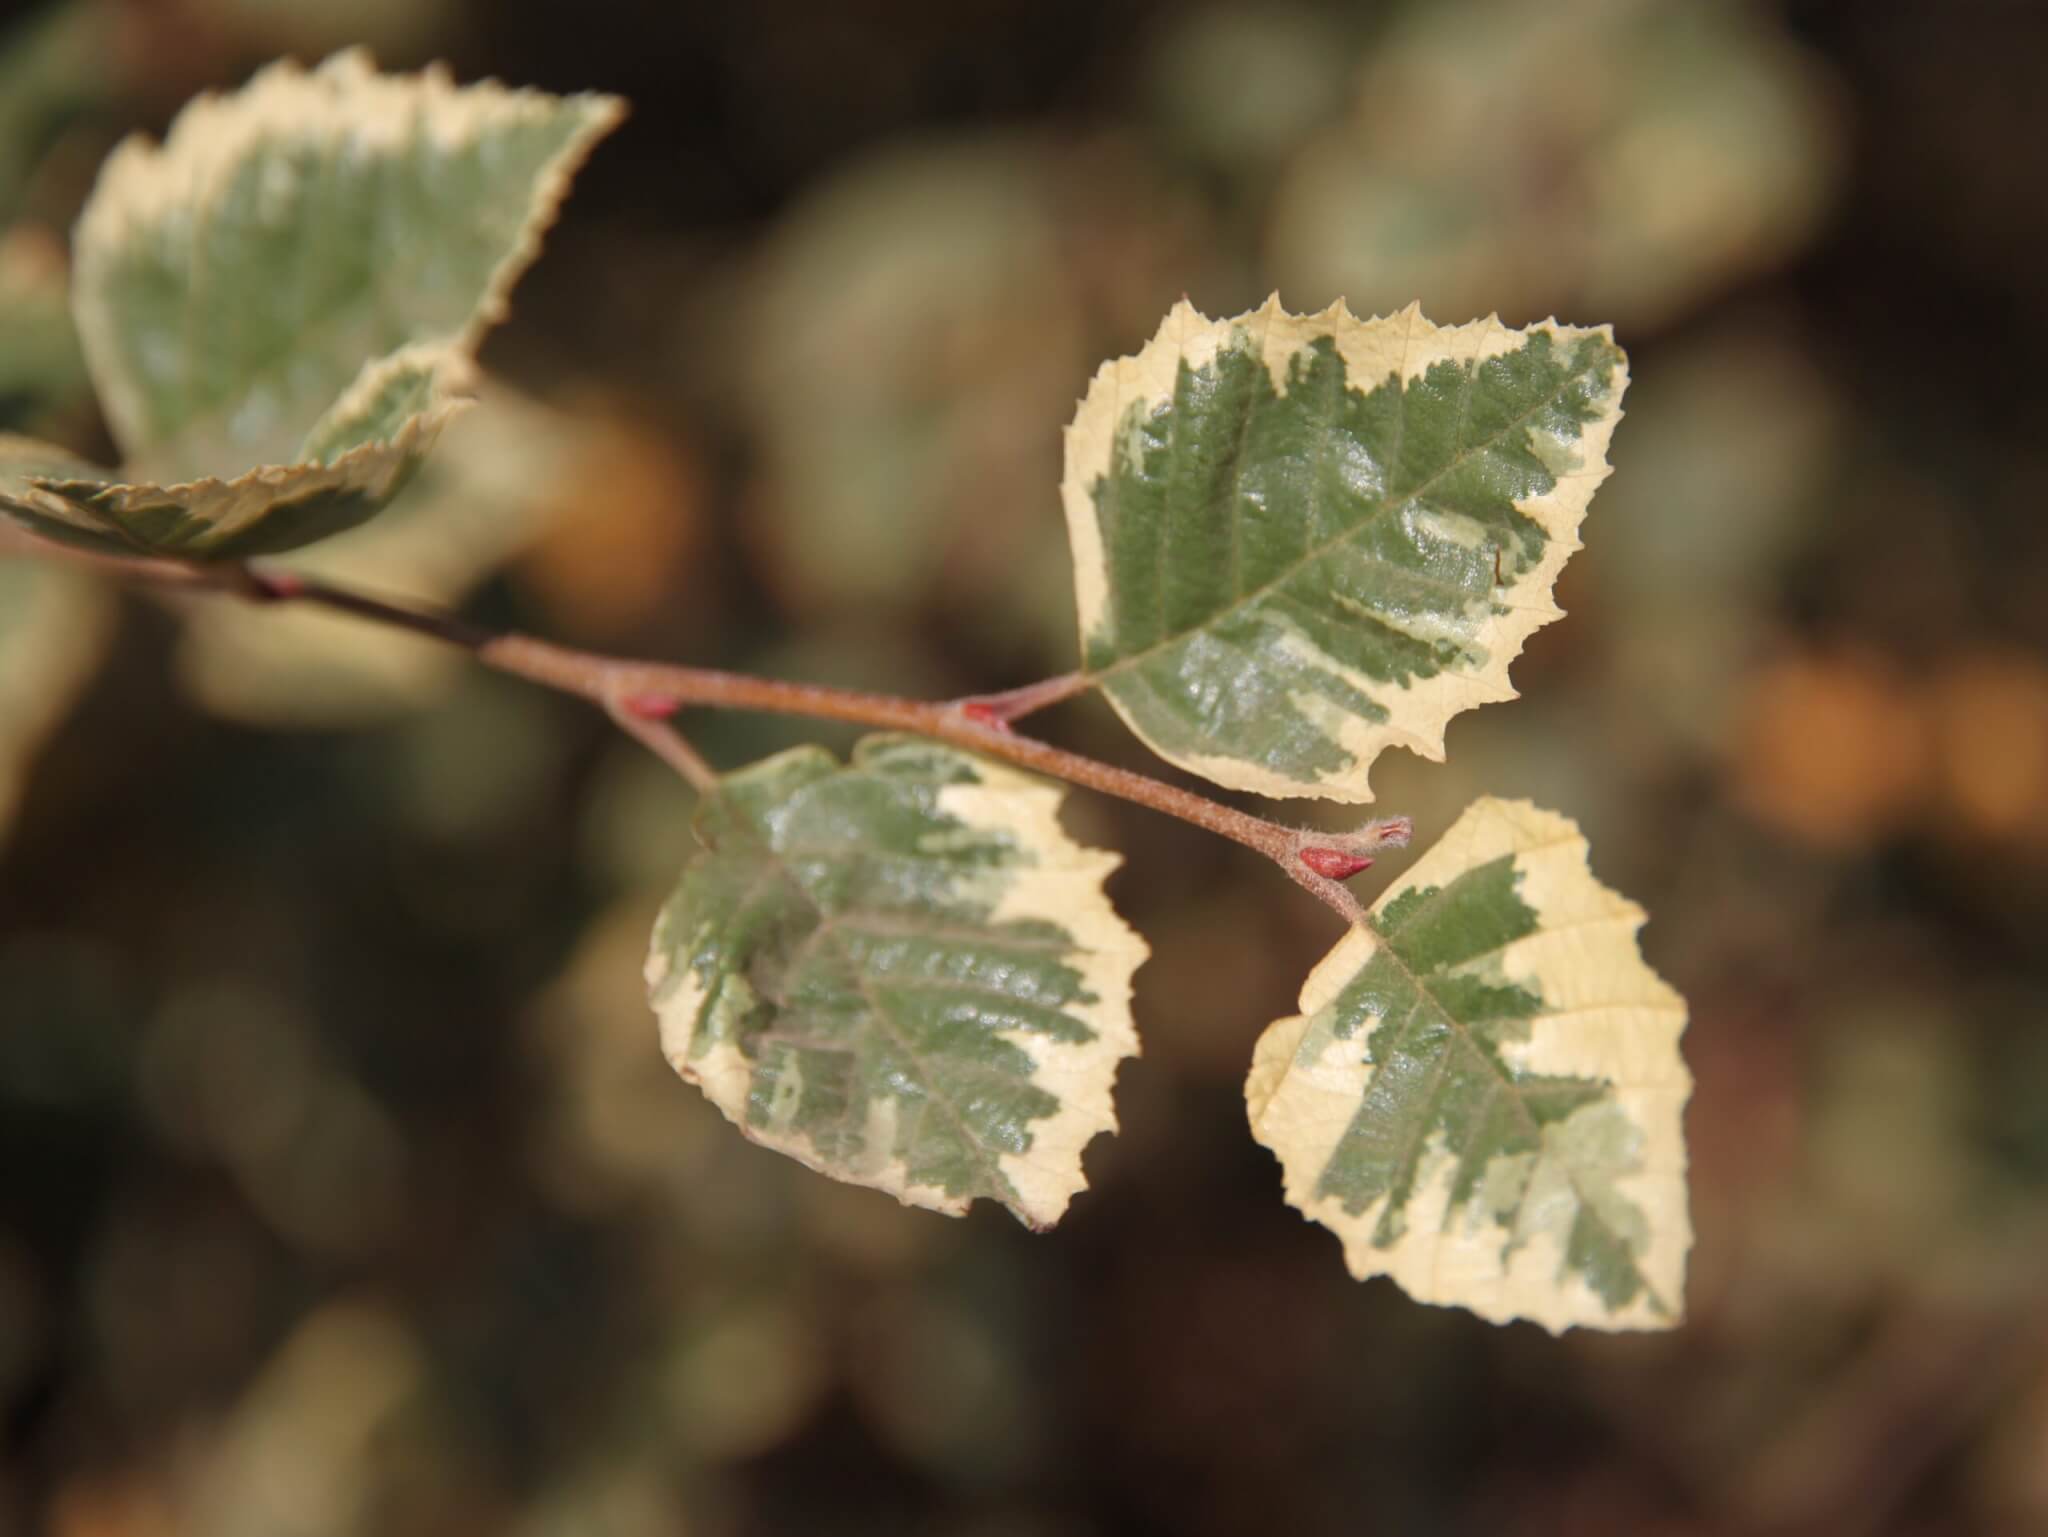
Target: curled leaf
[(279, 305), (348, 474), (484, 495)]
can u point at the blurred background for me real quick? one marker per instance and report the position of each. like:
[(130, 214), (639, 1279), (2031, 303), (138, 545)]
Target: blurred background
[(342, 1187)]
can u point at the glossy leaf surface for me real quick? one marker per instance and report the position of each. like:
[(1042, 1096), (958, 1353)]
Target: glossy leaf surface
[(1301, 540), (901, 972)]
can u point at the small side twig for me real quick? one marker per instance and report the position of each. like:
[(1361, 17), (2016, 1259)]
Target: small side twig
[(645, 718), (1016, 703)]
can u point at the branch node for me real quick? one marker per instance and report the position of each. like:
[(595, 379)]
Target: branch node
[(275, 586), (985, 715), (650, 706), (998, 710), (643, 696)]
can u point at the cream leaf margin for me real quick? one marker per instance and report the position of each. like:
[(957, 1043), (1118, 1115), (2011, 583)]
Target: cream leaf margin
[(1404, 345), (144, 186), (1063, 885), (1606, 1015), (227, 507)]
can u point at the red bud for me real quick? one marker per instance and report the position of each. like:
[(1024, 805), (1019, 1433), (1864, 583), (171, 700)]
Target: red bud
[(1335, 864), (985, 715)]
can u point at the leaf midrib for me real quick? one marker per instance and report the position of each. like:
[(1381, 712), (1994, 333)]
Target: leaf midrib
[(1001, 1187), (1505, 1085), (1386, 506)]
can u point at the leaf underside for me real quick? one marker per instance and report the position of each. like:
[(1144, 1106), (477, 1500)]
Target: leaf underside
[(1482, 1094), (902, 973), (1299, 540), (364, 452), (279, 305)]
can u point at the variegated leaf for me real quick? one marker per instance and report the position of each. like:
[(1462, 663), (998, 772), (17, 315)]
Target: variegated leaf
[(1301, 540), (902, 973), (1482, 1094), (361, 454), (280, 304), (234, 282)]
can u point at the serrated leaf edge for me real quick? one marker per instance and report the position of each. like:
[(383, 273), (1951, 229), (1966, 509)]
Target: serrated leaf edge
[(143, 181), (1588, 1009), (94, 507), (1066, 889), (1418, 713)]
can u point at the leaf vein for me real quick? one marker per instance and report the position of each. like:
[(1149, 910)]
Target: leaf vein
[(1316, 551)]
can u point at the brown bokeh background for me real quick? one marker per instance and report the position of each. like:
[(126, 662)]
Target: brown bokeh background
[(342, 1188)]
